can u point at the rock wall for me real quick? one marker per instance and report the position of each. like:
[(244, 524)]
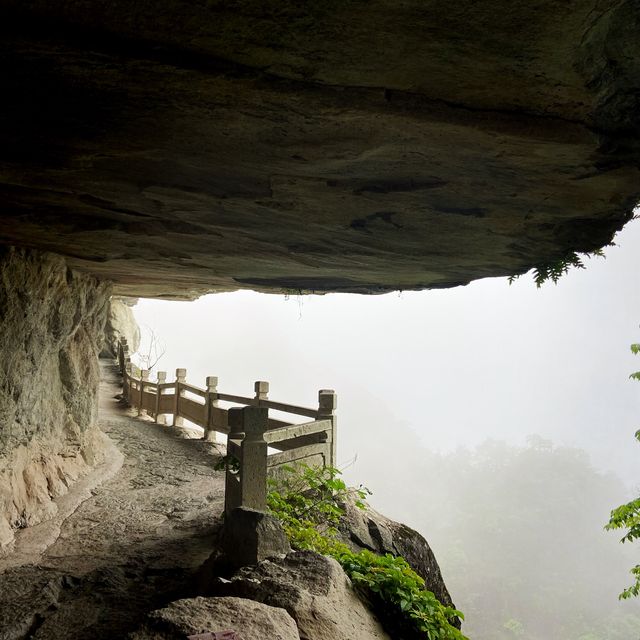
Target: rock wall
[(51, 327), (322, 146), (121, 323)]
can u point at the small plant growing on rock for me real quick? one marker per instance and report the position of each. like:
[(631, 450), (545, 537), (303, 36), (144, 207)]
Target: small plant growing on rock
[(308, 501)]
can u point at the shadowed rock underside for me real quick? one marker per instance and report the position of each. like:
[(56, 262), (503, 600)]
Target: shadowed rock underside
[(181, 147)]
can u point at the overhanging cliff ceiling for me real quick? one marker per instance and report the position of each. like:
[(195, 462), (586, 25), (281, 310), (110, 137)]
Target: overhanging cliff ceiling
[(177, 147)]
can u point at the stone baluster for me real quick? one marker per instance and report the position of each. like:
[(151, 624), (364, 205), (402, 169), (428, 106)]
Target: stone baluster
[(181, 378), (253, 458), (327, 405), (126, 385), (134, 392), (232, 495), (122, 345), (210, 401), (261, 388), (144, 377), (161, 378)]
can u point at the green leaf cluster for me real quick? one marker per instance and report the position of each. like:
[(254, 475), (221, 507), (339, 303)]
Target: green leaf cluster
[(309, 503), (400, 596), (627, 516), (553, 271)]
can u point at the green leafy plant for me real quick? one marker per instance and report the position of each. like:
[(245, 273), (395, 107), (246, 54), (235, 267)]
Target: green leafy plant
[(553, 271), (309, 502), (627, 516), (227, 462), (400, 597)]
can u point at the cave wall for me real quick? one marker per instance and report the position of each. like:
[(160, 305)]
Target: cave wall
[(51, 329), (191, 147), (120, 323)]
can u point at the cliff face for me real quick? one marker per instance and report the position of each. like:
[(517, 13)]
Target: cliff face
[(120, 323), (51, 322), (352, 146)]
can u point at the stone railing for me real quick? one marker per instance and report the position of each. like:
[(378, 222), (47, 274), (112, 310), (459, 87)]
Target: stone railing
[(256, 443)]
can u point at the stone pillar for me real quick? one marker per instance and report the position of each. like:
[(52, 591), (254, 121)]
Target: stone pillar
[(161, 378), (126, 356), (253, 458), (232, 495), (144, 377), (181, 378), (261, 388), (327, 405), (122, 345), (126, 384), (134, 393), (210, 400)]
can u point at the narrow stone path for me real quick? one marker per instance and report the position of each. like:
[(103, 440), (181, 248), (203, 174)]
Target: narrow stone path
[(133, 545)]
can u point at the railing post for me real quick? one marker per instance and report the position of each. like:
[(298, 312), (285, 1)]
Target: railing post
[(134, 382), (126, 383), (327, 405), (181, 378), (126, 355), (261, 388), (253, 458), (161, 378), (122, 345), (210, 400), (144, 377), (232, 494)]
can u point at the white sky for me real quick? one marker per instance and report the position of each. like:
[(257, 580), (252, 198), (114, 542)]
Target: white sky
[(455, 366)]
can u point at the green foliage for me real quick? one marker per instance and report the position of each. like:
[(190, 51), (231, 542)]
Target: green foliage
[(308, 501), (635, 349), (227, 462), (553, 271), (627, 516), (398, 589)]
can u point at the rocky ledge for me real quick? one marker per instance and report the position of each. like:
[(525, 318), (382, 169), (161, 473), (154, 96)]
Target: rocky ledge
[(284, 146)]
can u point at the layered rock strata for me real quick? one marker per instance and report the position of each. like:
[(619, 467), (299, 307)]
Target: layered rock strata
[(51, 326), (285, 146)]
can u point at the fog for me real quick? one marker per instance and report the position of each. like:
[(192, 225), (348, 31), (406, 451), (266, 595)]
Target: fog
[(424, 379)]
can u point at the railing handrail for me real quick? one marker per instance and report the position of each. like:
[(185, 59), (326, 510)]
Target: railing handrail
[(250, 430)]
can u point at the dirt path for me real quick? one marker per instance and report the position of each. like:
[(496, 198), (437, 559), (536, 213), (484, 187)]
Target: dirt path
[(124, 547)]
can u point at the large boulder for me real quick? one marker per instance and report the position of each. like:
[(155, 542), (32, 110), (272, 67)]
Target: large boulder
[(314, 590), (368, 529), (250, 620)]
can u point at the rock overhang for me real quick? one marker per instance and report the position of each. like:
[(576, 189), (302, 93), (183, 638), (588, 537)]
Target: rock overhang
[(179, 148)]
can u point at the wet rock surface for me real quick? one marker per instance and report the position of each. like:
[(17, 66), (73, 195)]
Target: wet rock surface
[(313, 589), (188, 147), (249, 619), (132, 546), (51, 321)]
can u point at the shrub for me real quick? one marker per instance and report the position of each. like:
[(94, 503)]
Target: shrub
[(308, 501)]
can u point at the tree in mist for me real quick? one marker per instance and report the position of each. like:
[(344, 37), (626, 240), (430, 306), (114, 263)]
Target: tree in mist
[(627, 516), (517, 532)]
